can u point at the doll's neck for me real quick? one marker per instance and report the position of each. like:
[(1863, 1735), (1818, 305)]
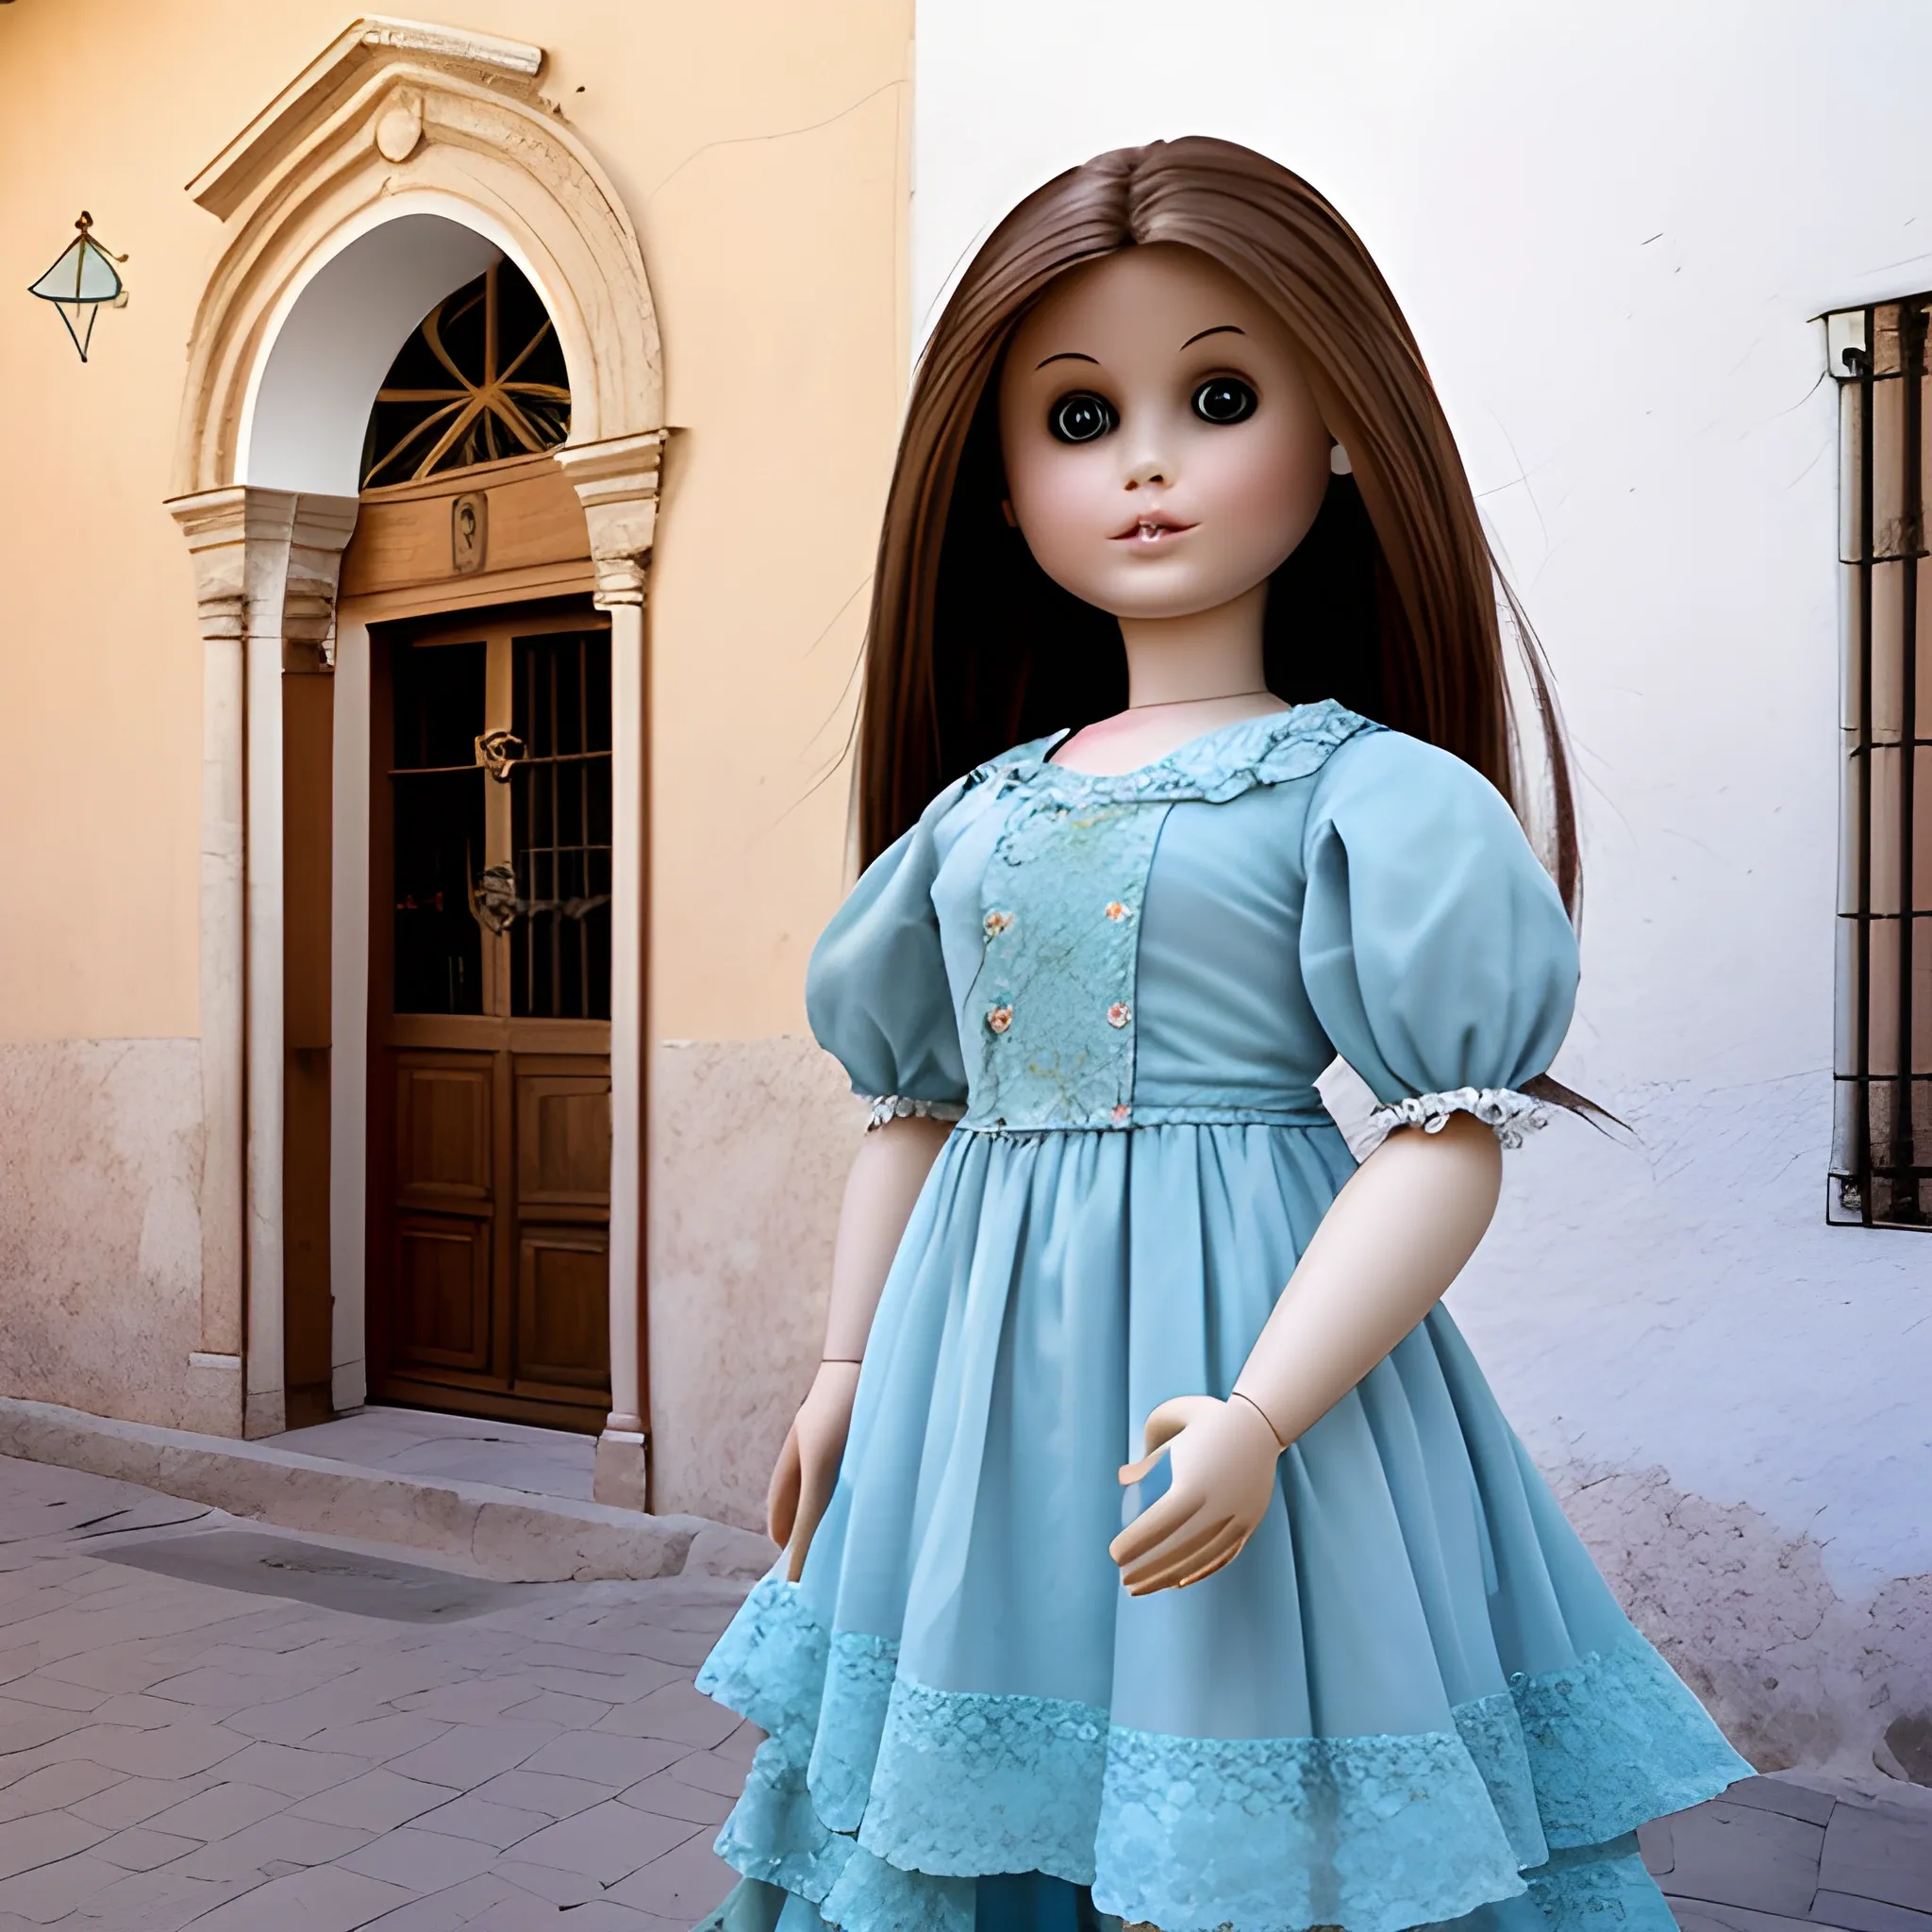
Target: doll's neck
[(1195, 659), (1185, 677)]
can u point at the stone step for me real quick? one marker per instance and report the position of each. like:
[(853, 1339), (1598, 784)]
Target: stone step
[(509, 1534)]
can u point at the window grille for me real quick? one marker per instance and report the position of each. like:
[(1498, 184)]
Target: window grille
[(1882, 1117), (481, 379), (560, 810)]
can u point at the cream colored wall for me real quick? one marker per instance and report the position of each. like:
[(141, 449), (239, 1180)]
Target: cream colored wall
[(760, 148)]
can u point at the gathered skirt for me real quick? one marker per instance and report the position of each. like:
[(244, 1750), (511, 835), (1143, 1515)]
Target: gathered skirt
[(1411, 1699)]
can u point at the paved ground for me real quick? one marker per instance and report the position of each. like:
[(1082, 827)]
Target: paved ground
[(182, 1749), (204, 1723), (1777, 1855)]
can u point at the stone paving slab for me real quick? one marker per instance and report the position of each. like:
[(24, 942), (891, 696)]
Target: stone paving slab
[(192, 1754)]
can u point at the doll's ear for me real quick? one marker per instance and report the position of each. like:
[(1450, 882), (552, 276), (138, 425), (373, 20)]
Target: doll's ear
[(1007, 511)]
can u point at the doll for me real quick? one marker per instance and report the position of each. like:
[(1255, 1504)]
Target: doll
[(1156, 1553)]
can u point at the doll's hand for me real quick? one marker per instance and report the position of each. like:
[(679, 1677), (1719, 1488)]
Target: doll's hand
[(808, 1466), (1222, 1456)]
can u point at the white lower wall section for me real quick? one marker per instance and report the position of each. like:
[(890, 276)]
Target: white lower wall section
[(1730, 1397), (100, 1233)]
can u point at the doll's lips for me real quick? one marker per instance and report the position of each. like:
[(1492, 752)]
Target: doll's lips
[(1154, 527)]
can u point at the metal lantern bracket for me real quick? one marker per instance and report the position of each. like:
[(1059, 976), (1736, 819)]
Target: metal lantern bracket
[(82, 280)]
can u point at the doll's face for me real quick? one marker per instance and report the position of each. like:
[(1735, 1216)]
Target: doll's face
[(1163, 452)]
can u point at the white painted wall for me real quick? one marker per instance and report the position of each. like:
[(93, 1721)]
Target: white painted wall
[(311, 405), (1611, 229)]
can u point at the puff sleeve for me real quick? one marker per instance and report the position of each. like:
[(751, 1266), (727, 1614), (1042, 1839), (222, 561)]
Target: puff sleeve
[(1435, 948), (875, 991)]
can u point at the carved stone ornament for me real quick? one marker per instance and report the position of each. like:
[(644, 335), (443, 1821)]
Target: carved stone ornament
[(399, 127)]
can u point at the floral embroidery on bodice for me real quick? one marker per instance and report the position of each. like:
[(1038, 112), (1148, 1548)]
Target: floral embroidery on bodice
[(1051, 1015)]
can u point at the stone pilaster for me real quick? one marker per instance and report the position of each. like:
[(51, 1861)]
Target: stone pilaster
[(616, 481), (265, 566)]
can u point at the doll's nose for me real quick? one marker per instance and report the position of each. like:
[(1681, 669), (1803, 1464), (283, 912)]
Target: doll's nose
[(1148, 466)]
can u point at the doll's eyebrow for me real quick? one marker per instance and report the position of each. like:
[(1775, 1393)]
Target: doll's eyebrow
[(1224, 329), (1069, 356)]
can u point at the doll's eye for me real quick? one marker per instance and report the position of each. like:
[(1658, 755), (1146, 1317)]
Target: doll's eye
[(1224, 399), (1081, 417)]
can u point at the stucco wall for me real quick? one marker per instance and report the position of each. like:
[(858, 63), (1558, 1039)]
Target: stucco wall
[(1610, 230), (761, 149), (100, 1248)]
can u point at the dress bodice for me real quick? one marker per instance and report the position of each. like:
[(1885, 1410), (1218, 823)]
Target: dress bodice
[(1050, 949)]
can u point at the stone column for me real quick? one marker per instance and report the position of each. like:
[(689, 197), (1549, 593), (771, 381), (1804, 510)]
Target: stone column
[(265, 564), (617, 483)]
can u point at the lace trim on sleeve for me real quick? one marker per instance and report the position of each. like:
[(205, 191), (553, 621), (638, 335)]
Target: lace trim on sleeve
[(898, 1107), (1509, 1113)]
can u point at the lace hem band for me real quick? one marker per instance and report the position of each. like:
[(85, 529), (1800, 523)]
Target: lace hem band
[(1509, 1113), (880, 1798)]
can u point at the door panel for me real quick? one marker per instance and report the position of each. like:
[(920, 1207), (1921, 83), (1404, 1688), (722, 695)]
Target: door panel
[(443, 1113), (564, 1306), (442, 1291), (563, 1140), (489, 1137)]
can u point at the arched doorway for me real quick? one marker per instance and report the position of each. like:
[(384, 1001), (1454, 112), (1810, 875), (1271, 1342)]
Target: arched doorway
[(464, 609), (405, 164)]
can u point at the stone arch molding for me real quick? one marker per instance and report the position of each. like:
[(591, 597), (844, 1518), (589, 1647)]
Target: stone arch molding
[(398, 115), (396, 121)]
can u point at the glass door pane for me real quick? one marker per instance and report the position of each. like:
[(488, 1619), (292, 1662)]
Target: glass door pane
[(438, 791)]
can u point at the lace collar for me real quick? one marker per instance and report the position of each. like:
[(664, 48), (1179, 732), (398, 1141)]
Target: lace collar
[(1217, 766)]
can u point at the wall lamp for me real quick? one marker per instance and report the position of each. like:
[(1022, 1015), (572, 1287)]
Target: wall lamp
[(81, 281)]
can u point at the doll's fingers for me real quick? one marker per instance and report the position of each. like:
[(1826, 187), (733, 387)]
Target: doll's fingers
[(781, 1497), (1166, 1420), (1158, 1526), (1132, 1472), (1225, 1554), (1168, 1575), (1177, 1563), (1159, 1549), (799, 1545), (1181, 1547), (1153, 1526), (814, 1497)]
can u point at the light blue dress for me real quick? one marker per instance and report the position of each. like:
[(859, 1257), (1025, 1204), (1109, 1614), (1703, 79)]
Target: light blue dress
[(1411, 1698)]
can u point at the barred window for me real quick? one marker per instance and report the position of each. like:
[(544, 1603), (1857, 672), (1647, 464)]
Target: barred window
[(1882, 1118)]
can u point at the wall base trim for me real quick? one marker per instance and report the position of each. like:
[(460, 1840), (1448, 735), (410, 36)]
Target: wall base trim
[(505, 1533)]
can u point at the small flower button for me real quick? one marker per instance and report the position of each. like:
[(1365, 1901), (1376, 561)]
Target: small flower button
[(996, 923), (1119, 1014), (1120, 1112), (999, 1018), (1116, 912)]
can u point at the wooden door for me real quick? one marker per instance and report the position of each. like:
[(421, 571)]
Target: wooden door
[(490, 1010)]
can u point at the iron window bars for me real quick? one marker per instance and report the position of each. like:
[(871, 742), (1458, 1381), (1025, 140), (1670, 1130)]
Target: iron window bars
[(1881, 1162), (560, 813)]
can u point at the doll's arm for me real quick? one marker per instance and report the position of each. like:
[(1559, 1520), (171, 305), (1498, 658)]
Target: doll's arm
[(887, 1175), (1397, 1234)]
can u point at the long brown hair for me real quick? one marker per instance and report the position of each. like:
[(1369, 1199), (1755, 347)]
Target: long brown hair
[(1389, 604)]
